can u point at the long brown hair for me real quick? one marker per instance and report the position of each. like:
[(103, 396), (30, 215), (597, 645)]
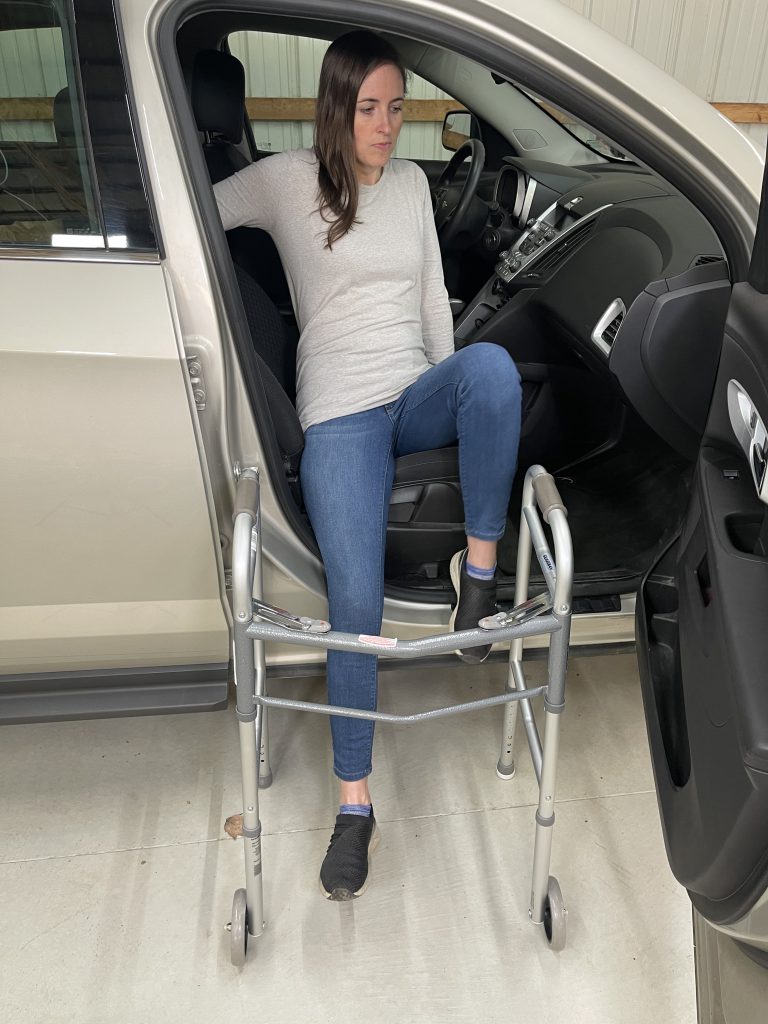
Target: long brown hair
[(347, 63)]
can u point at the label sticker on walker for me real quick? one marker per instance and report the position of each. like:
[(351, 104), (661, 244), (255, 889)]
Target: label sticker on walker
[(378, 641), (256, 853), (547, 561)]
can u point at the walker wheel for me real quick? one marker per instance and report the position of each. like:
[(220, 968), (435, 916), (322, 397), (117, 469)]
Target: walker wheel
[(555, 914), (238, 929)]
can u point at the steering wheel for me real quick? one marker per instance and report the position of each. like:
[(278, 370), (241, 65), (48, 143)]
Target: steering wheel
[(450, 208)]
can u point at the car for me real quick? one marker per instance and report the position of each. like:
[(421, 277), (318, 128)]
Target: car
[(596, 219)]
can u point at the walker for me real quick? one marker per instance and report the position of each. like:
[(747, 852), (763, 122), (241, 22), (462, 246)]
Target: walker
[(256, 623)]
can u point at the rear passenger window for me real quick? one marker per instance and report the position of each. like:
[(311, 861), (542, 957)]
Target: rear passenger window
[(47, 194)]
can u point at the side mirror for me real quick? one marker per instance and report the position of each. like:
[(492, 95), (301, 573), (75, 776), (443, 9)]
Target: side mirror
[(458, 127)]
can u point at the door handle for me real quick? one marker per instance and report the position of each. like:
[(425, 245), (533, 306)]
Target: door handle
[(751, 434)]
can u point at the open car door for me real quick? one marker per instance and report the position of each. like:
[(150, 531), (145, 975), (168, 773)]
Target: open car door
[(702, 634)]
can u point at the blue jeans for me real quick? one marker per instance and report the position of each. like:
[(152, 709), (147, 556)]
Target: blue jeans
[(347, 470)]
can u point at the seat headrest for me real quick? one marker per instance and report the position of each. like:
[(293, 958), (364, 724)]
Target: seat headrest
[(63, 125), (218, 94)]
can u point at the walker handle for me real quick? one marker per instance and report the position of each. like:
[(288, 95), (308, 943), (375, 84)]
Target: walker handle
[(246, 494), (547, 495)]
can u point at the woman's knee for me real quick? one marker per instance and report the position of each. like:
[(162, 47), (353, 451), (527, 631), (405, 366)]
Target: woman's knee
[(492, 365)]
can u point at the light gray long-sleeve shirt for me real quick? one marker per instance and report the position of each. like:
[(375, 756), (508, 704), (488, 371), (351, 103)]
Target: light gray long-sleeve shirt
[(373, 312)]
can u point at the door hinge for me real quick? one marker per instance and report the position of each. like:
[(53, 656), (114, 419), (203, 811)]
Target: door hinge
[(195, 371)]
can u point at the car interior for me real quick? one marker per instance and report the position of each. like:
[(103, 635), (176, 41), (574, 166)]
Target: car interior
[(588, 270)]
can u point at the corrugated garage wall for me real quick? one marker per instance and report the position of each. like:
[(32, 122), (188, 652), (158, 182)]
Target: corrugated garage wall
[(718, 48), (31, 64), (290, 66)]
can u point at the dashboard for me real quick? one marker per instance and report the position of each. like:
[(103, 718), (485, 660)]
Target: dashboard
[(580, 246)]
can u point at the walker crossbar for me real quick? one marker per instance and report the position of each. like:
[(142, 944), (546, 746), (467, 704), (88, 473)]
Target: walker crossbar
[(384, 716), (256, 623), (389, 647)]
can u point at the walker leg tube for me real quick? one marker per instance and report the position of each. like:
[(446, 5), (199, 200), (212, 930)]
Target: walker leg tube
[(250, 737), (529, 722), (259, 652), (505, 767), (545, 818), (265, 769), (249, 680), (545, 813), (254, 893)]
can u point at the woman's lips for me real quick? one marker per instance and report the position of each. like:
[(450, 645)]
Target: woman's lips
[(382, 145)]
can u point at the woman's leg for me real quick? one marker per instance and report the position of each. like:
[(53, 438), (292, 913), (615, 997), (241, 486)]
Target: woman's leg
[(346, 476), (474, 397), (346, 473)]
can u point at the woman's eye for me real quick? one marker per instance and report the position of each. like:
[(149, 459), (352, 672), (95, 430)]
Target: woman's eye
[(366, 110), (396, 110)]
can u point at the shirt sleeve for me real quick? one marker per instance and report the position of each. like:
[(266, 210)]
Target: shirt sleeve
[(248, 197), (436, 316)]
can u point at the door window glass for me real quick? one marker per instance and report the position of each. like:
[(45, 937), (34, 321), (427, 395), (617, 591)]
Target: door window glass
[(281, 76), (46, 186)]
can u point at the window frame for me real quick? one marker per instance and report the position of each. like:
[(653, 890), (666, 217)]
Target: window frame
[(63, 16), (82, 42)]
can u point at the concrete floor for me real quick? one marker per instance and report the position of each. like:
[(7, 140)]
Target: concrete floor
[(116, 878)]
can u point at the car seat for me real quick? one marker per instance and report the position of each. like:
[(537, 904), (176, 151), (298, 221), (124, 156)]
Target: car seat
[(426, 515)]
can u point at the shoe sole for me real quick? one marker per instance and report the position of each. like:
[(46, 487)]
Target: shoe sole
[(469, 657), (344, 895)]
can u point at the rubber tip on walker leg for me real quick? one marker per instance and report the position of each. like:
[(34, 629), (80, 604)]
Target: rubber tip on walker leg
[(505, 771), (265, 781)]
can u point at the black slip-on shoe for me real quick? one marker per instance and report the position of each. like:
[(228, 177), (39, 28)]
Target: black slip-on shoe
[(475, 599), (345, 872)]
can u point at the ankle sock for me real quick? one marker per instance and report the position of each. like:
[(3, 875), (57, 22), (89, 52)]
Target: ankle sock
[(479, 574), (364, 810)]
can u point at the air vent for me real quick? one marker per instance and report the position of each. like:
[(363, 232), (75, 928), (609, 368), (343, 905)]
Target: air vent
[(610, 332), (552, 258), (701, 260), (607, 327)]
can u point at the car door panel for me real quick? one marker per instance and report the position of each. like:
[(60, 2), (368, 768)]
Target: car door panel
[(113, 562), (703, 643)]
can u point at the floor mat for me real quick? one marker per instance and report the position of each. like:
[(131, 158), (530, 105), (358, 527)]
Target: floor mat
[(622, 508)]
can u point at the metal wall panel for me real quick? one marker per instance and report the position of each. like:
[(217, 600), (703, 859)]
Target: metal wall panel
[(31, 64), (615, 16), (657, 31), (718, 48), (289, 66)]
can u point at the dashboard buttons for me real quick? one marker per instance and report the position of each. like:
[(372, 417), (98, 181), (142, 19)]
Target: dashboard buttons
[(508, 265)]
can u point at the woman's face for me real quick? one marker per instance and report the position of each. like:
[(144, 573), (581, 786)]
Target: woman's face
[(378, 120)]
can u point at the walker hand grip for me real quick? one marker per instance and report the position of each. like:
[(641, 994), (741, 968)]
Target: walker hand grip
[(246, 495), (547, 495)]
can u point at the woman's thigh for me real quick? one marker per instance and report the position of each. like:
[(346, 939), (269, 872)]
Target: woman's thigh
[(347, 469), (482, 376)]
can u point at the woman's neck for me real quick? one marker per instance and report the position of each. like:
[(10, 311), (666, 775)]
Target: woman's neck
[(369, 176)]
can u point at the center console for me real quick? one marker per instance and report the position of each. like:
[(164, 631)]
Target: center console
[(535, 254)]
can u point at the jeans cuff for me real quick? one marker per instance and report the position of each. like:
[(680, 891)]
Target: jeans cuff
[(352, 776), (482, 534)]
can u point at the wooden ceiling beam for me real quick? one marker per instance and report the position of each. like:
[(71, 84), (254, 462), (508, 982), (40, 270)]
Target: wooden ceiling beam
[(274, 108)]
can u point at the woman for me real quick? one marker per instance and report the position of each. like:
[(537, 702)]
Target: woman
[(377, 377)]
